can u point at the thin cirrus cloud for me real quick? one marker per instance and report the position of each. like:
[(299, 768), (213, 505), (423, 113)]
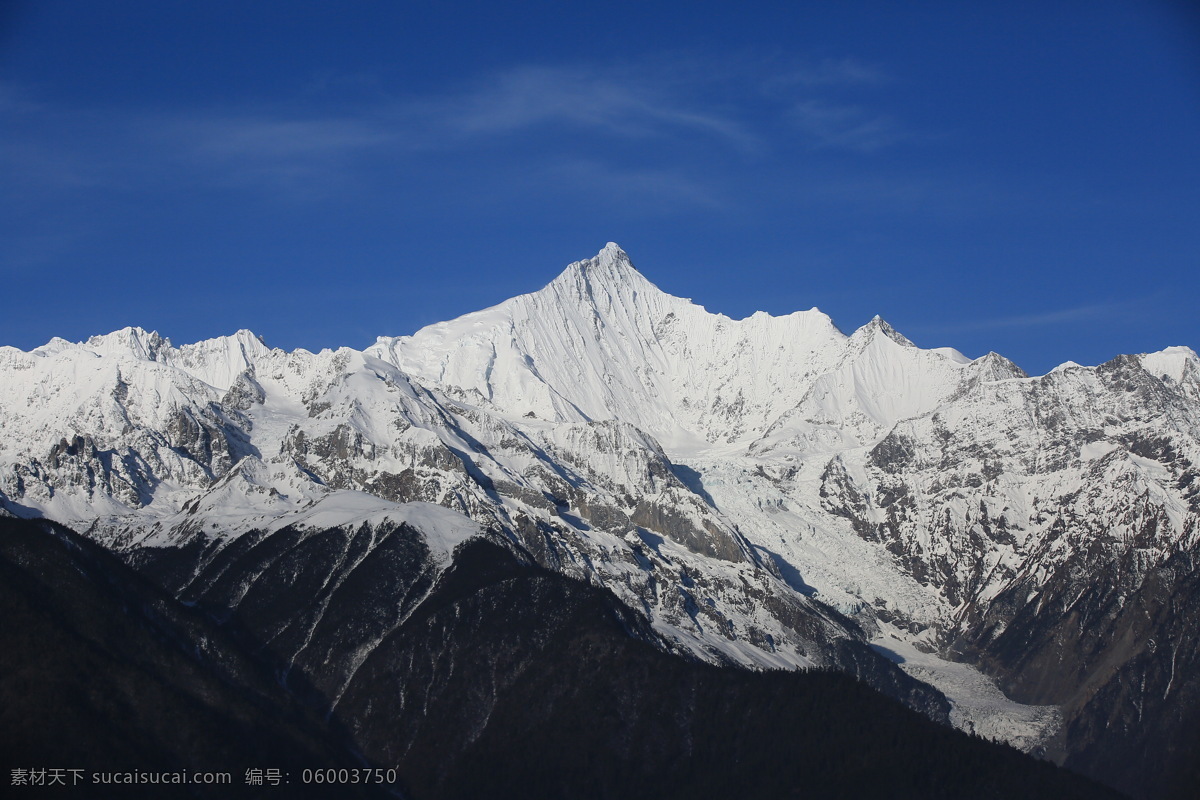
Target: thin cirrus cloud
[(601, 102), (213, 145), (811, 95), (592, 99), (1049, 318), (846, 127), (307, 149), (632, 105)]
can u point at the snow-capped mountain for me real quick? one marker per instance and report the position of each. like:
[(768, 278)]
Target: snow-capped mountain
[(769, 492)]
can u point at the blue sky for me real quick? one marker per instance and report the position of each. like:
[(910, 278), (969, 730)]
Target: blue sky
[(1017, 177)]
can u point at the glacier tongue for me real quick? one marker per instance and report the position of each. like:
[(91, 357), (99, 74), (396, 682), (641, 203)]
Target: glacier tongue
[(977, 704)]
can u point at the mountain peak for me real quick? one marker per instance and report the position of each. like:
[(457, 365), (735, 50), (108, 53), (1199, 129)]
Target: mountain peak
[(600, 279), (610, 262), (1174, 363), (137, 341), (614, 250), (995, 367), (879, 325)]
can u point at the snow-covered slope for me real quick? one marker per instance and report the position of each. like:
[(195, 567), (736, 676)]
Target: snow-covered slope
[(764, 489), (602, 342)]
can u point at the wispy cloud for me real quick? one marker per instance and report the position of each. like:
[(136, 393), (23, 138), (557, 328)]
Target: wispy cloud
[(602, 100), (816, 99), (1086, 313), (847, 127), (605, 102), (676, 111), (304, 158)]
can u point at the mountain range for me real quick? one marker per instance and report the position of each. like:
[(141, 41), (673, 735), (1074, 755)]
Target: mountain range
[(1011, 555)]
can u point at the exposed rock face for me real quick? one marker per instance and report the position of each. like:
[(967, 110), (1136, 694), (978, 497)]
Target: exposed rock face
[(767, 492)]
